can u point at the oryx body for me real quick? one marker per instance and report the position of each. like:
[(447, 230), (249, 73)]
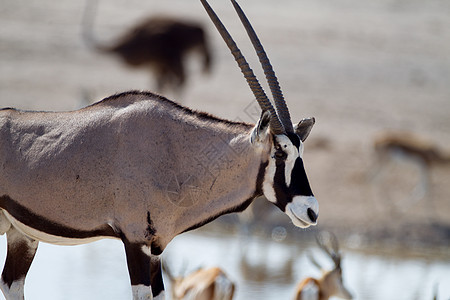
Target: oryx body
[(132, 147), (140, 168)]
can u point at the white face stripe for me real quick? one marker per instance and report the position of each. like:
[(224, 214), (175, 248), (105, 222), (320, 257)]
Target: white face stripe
[(267, 187), (292, 154)]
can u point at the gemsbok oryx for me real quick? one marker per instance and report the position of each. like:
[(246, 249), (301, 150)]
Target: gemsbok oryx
[(160, 44), (330, 284), (203, 284), (139, 168)]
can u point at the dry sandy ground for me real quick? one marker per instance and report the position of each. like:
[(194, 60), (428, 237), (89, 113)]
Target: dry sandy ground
[(359, 67)]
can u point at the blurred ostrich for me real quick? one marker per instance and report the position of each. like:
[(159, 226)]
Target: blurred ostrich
[(159, 44)]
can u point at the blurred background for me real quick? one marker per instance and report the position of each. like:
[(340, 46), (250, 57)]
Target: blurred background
[(375, 74)]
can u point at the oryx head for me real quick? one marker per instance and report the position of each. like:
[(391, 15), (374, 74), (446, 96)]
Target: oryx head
[(285, 182)]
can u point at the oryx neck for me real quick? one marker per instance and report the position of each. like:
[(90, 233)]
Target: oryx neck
[(218, 196)]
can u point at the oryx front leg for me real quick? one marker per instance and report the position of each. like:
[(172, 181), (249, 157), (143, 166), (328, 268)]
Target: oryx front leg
[(145, 272), (20, 254)]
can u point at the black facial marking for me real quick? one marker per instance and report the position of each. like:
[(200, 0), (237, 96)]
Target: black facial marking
[(281, 190), (25, 216), (293, 137), (299, 185), (279, 154), (299, 180)]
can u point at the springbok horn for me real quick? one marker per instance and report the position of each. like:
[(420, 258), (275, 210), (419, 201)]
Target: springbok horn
[(280, 103), (333, 253), (264, 102)]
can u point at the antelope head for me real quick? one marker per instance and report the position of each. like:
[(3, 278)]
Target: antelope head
[(331, 282), (285, 182)]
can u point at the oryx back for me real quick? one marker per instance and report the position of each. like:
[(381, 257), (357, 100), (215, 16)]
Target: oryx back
[(75, 170), (55, 170)]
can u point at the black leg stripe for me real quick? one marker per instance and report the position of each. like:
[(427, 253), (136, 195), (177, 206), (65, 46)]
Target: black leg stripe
[(156, 276), (18, 259), (138, 264), (143, 269)]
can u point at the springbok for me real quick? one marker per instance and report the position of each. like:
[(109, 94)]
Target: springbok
[(143, 169), (389, 144), (160, 44), (398, 146), (331, 283), (203, 284)]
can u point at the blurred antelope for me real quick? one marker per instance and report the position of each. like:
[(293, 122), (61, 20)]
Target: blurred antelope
[(160, 44), (263, 271), (331, 283), (203, 284), (405, 146), (138, 167)]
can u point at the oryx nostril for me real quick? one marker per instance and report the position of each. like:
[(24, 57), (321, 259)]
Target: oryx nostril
[(312, 215)]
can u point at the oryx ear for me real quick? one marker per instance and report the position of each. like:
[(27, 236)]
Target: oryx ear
[(303, 128), (261, 129)]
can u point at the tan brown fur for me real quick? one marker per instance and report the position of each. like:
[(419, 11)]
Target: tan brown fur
[(411, 145), (327, 286), (330, 284), (203, 284)]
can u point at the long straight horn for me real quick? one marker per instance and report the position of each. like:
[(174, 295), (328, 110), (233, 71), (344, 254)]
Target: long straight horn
[(280, 103), (264, 102)]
